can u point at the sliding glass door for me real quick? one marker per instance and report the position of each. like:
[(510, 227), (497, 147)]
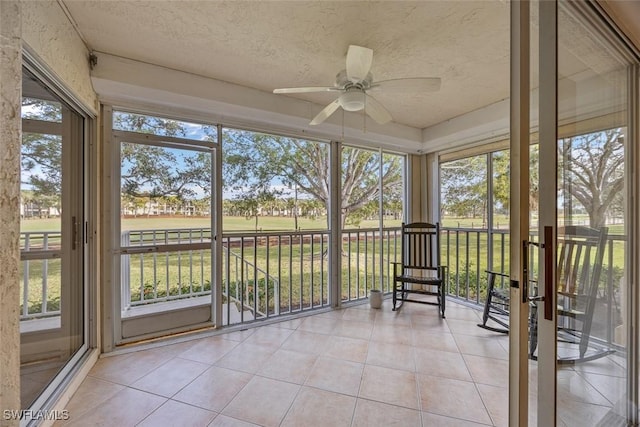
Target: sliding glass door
[(574, 272), (52, 239)]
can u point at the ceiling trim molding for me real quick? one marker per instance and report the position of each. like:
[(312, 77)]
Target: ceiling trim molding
[(128, 83), (485, 124)]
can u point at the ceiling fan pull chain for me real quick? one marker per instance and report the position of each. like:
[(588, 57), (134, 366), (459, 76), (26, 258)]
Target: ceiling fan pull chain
[(364, 116)]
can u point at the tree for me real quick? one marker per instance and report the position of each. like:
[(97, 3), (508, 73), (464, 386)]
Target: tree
[(534, 177), (159, 172), (41, 161), (464, 187), (500, 180), (312, 208), (367, 211), (392, 197), (464, 184), (202, 206), (591, 170), (251, 205), (360, 181), (256, 163), (393, 206), (148, 172), (41, 154), (38, 204), (148, 124)]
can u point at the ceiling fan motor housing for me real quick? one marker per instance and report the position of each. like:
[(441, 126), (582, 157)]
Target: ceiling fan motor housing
[(343, 81)]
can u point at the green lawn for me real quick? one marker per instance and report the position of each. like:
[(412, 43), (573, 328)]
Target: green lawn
[(229, 223), (44, 224)]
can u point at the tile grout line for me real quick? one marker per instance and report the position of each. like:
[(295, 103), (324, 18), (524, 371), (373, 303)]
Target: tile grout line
[(380, 320)]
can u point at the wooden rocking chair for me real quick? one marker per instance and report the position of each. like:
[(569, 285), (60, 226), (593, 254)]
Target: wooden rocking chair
[(496, 307), (580, 257), (419, 271)]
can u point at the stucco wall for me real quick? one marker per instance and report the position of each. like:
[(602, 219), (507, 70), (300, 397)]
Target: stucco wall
[(49, 33), (10, 127)]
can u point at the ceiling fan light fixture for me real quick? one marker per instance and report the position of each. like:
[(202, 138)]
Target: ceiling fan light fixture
[(352, 100)]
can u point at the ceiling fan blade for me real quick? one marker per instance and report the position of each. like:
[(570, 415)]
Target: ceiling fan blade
[(305, 89), (376, 111), (417, 84), (325, 113), (358, 62)]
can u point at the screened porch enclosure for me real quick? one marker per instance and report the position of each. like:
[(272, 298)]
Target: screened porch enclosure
[(274, 257), (183, 184), (199, 246)]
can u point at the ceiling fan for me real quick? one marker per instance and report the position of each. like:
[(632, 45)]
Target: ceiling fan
[(354, 84)]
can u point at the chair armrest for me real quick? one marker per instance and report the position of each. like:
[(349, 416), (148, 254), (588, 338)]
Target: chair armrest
[(573, 296), (396, 266), (442, 271), (496, 273)]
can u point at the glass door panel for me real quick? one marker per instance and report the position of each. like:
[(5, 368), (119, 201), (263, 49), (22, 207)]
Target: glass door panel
[(361, 221), (540, 173), (165, 235), (275, 246), (592, 131), (580, 349), (392, 216), (51, 244)]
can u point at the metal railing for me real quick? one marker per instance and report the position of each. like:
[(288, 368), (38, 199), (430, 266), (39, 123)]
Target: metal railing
[(269, 274), (265, 274), (165, 272), (40, 254), (367, 261), (469, 252)]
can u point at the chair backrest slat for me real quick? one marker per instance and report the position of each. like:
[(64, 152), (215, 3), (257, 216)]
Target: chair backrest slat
[(421, 245), (580, 257)]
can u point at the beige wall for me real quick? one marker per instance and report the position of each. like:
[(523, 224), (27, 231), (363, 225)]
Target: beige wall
[(414, 189), (10, 129), (423, 188), (48, 32)]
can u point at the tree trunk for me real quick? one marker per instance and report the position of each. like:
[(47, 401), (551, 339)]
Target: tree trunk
[(597, 217)]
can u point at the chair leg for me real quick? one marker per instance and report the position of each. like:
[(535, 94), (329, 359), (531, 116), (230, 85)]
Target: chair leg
[(533, 332), (487, 304), (394, 297), (586, 328), (443, 299), (490, 309)]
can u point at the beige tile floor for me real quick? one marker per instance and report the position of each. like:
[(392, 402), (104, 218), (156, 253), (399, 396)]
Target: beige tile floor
[(349, 367)]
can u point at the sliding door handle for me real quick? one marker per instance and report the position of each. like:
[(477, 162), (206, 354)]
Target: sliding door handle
[(549, 257), (74, 233), (525, 271)]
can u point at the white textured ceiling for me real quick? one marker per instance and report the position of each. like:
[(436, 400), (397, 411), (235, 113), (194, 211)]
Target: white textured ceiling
[(272, 44)]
